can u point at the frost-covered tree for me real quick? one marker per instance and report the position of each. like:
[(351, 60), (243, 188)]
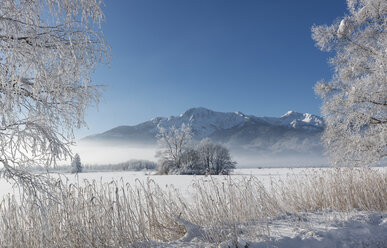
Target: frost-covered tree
[(222, 162), (178, 155), (206, 151), (47, 50), (76, 165), (190, 162), (355, 100), (214, 158), (173, 143)]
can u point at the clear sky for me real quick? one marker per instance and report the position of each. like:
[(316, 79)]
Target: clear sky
[(252, 56)]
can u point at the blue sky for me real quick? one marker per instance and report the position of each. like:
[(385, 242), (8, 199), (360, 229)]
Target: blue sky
[(252, 56)]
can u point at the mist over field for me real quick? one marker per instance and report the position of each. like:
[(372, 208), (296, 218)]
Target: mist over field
[(291, 140), (101, 153), (287, 161), (113, 152)]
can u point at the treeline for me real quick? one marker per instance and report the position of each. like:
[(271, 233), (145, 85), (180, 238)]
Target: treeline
[(131, 165), (178, 154)]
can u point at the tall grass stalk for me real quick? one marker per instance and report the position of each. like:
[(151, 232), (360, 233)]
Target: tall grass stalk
[(116, 214)]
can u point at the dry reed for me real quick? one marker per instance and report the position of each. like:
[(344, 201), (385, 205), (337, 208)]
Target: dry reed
[(116, 214)]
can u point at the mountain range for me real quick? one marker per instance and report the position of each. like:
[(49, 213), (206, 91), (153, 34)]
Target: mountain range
[(292, 133)]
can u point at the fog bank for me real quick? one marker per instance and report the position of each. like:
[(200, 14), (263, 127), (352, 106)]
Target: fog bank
[(111, 153), (102, 153)]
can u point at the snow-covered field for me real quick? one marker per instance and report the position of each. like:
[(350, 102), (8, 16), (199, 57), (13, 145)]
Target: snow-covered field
[(184, 183), (304, 229), (181, 182)]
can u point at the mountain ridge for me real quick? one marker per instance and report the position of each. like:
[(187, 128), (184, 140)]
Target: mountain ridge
[(293, 132), (218, 120)]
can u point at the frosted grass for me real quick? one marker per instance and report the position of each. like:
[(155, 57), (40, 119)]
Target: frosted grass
[(117, 213)]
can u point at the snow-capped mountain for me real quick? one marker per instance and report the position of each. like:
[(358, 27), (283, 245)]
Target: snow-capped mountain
[(292, 132), (204, 122), (297, 120)]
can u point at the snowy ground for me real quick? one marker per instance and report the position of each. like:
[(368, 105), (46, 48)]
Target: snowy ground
[(328, 229), (317, 230), (181, 182)]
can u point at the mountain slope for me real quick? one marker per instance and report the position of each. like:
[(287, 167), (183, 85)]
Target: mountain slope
[(291, 133)]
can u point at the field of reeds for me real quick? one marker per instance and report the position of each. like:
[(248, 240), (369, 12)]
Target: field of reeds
[(118, 214)]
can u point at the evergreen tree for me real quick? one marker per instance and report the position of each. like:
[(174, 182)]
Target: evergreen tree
[(76, 164)]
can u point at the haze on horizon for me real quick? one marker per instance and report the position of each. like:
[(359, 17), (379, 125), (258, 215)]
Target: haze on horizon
[(292, 140), (112, 153)]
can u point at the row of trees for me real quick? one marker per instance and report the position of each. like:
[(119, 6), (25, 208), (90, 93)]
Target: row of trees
[(77, 166), (131, 165), (178, 154)]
